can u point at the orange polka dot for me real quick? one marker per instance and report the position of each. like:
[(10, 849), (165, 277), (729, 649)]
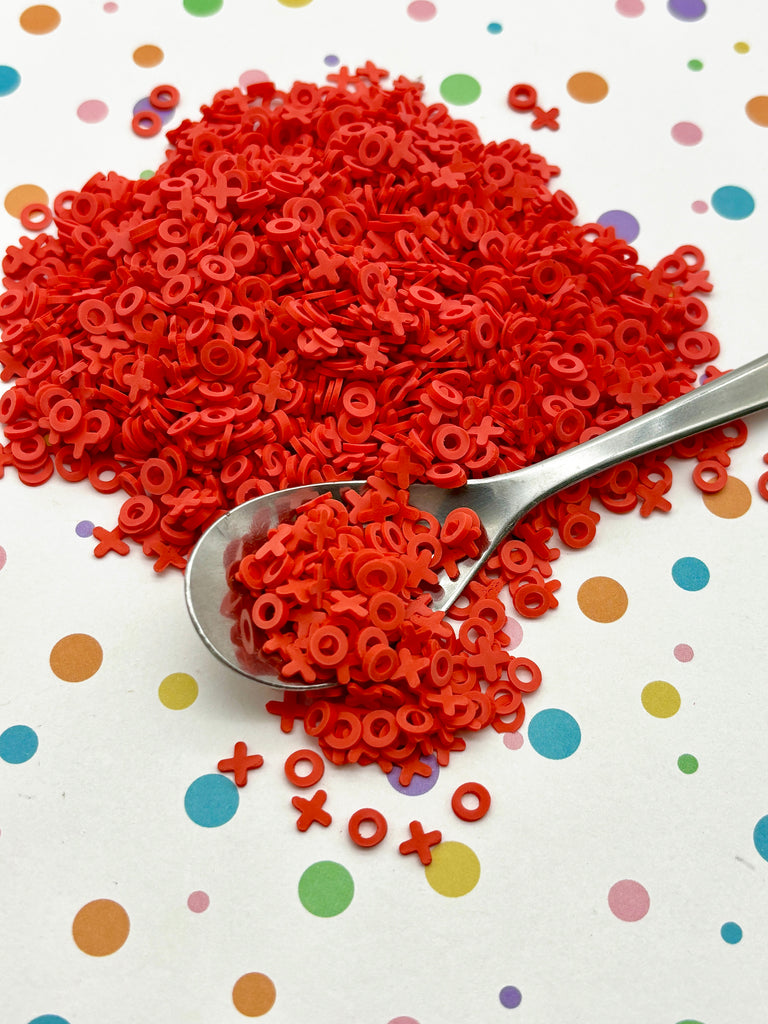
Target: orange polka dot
[(23, 195), (757, 110), (587, 87), (254, 994), (602, 599), (39, 19), (731, 502), (76, 657), (100, 928), (148, 56)]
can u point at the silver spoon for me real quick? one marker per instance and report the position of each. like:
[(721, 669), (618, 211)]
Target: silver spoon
[(500, 502)]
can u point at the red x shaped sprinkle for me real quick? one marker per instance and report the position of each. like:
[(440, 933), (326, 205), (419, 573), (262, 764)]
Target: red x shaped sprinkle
[(311, 810), (241, 763), (421, 842)]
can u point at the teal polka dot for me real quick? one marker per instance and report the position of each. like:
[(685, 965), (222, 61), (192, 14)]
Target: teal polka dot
[(690, 574), (49, 1018), (732, 202), (760, 837), (494, 28), (10, 80), (18, 744), (731, 933), (554, 733), (211, 800)]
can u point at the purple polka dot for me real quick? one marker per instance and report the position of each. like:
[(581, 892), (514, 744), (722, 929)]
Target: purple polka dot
[(687, 10), (418, 784), (331, 61), (699, 206), (623, 223), (84, 528), (92, 111), (510, 996), (513, 740), (687, 133), (683, 652), (198, 901), (144, 105)]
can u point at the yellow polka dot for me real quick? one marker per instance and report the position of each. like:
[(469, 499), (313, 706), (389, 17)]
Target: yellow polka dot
[(602, 599), (76, 657), (731, 502), (177, 691), (148, 56), (660, 699), (295, 3), (757, 110), (254, 994), (100, 928), (587, 87), (23, 195), (455, 869), (39, 19), (741, 47)]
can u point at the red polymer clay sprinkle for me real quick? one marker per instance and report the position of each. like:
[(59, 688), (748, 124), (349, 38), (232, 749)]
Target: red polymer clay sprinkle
[(332, 282)]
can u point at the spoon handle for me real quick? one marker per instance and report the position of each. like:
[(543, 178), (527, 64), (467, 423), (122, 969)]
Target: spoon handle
[(728, 397)]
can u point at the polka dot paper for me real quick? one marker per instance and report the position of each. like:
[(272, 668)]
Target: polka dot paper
[(160, 822)]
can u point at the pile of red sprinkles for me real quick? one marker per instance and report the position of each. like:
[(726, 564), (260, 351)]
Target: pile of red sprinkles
[(339, 282)]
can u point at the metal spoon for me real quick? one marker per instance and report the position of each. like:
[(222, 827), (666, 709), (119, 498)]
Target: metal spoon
[(499, 501)]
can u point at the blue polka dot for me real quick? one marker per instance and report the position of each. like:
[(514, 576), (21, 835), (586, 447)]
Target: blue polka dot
[(17, 744), (554, 733), (732, 202), (690, 574), (760, 837), (49, 1018), (731, 933), (494, 28), (211, 800), (10, 80)]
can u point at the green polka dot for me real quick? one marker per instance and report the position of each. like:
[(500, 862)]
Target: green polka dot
[(326, 888), (695, 65), (687, 764), (147, 174), (202, 8), (177, 691), (460, 89)]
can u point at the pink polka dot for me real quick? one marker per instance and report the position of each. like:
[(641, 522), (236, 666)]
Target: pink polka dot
[(3, 557), (514, 631), (92, 111), (630, 8), (629, 900), (403, 1020), (251, 78), (699, 206), (421, 10), (687, 133), (513, 740), (198, 901), (683, 652), (110, 8)]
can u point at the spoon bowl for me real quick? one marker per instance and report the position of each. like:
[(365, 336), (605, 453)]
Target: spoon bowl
[(499, 501)]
